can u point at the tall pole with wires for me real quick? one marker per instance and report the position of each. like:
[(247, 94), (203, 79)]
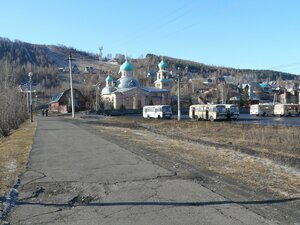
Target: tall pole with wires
[(178, 92), (97, 85), (71, 85), (96, 90)]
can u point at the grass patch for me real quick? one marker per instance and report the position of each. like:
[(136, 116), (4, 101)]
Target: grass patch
[(14, 153), (279, 143), (258, 172)]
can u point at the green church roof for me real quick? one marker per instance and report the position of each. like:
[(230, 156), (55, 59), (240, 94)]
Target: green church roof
[(126, 66), (109, 78), (263, 85), (163, 64), (163, 81)]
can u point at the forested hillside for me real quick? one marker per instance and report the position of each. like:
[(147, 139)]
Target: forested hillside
[(18, 58), (200, 70)]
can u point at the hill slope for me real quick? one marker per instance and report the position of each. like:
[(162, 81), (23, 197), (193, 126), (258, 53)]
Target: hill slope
[(18, 58)]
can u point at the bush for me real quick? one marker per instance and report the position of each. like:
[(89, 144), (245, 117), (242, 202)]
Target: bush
[(13, 107)]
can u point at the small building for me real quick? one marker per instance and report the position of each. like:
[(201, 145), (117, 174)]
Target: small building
[(113, 61), (61, 103), (75, 69), (226, 80), (89, 69)]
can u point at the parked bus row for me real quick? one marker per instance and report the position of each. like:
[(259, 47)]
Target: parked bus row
[(275, 109), (196, 112), (214, 112)]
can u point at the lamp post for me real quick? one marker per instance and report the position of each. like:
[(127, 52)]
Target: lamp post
[(27, 98), (178, 93), (30, 96)]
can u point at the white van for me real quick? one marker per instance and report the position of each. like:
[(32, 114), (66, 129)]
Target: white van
[(287, 110), (157, 111), (233, 112), (262, 109), (208, 112)]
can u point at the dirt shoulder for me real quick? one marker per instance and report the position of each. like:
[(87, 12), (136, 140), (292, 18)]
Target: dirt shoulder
[(223, 168), (14, 154)]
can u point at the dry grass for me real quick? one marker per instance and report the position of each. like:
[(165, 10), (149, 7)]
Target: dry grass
[(279, 143), (14, 155), (278, 139), (254, 170)]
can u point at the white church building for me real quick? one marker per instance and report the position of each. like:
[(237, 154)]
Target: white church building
[(127, 91)]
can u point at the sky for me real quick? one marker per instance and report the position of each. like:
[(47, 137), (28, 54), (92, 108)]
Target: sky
[(253, 34)]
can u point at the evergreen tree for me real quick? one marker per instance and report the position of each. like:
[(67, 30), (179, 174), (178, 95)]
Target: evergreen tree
[(245, 97)]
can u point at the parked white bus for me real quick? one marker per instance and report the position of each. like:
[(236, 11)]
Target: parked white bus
[(157, 111), (208, 112), (287, 110), (233, 112), (262, 109)]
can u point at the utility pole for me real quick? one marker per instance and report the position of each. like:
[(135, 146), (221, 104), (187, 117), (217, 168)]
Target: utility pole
[(30, 96), (97, 94), (97, 85), (222, 92), (96, 90), (178, 93), (71, 85)]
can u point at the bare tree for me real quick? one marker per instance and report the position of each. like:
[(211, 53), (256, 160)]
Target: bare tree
[(13, 107)]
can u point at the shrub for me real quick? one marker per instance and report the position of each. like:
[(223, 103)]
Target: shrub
[(12, 107)]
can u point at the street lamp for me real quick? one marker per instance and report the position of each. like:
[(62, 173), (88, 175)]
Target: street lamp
[(178, 93), (30, 96), (27, 98)]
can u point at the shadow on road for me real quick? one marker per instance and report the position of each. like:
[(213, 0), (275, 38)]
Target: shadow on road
[(175, 204)]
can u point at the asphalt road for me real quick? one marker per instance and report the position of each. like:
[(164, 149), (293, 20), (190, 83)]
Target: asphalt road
[(252, 119), (77, 177), (269, 120)]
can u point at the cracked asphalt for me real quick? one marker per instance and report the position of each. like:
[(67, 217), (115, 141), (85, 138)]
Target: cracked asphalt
[(80, 177)]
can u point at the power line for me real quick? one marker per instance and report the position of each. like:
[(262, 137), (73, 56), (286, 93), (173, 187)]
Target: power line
[(154, 25)]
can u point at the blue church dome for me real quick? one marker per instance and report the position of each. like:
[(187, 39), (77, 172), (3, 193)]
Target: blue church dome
[(126, 66), (127, 82)]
